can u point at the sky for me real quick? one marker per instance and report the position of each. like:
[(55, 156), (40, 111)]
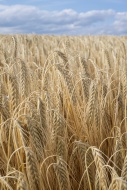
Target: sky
[(67, 17)]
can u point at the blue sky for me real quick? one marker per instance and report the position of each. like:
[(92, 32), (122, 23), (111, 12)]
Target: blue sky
[(68, 17)]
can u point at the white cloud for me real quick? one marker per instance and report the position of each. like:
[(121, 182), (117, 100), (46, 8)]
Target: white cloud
[(30, 19)]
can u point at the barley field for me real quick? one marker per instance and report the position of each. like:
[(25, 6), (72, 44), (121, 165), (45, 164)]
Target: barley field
[(63, 112)]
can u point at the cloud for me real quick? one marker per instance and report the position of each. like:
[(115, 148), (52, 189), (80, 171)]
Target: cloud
[(31, 19)]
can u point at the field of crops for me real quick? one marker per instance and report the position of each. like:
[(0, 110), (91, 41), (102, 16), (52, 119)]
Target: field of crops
[(63, 112)]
